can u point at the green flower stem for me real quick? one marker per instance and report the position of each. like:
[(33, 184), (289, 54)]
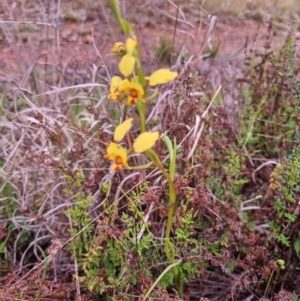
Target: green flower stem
[(124, 25), (139, 106), (139, 68), (142, 81), (169, 249)]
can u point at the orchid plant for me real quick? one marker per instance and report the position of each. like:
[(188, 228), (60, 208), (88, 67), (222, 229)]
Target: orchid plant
[(132, 90)]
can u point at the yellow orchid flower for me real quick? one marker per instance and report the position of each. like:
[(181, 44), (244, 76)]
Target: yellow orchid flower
[(125, 90), (133, 92), (119, 49), (122, 129), (161, 76), (126, 65), (131, 43), (114, 88), (116, 96), (115, 83), (118, 154), (145, 141)]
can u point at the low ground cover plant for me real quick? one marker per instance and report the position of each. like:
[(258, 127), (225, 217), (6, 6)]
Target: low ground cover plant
[(145, 186)]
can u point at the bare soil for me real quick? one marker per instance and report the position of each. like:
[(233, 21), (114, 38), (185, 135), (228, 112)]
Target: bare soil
[(75, 43)]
